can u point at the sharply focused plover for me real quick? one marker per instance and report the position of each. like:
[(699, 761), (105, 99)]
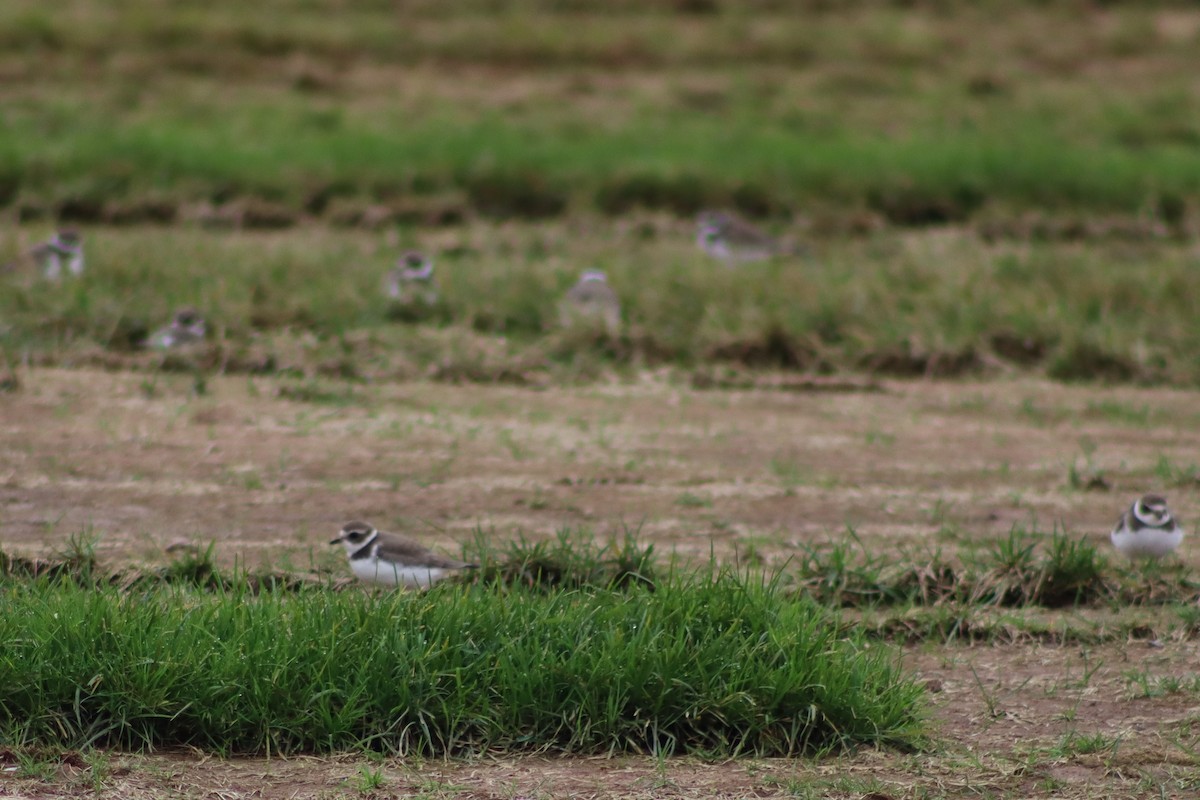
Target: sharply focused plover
[(733, 240), (392, 559), (61, 253), (187, 327), (411, 280), (591, 300), (1147, 529)]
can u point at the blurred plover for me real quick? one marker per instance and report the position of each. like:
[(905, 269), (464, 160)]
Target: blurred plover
[(186, 328), (591, 300), (1147, 529), (62, 252), (411, 280), (392, 559), (733, 240)]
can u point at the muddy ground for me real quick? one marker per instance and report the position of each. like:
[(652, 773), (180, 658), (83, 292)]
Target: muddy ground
[(139, 461)]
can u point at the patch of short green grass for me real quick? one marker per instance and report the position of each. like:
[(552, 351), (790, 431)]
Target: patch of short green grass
[(1141, 684), (693, 500), (550, 167), (789, 471), (369, 779), (891, 112), (1075, 743), (1177, 475), (1120, 412), (721, 666), (1086, 477)]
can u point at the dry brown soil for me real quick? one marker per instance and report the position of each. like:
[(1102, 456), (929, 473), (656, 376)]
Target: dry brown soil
[(140, 461)]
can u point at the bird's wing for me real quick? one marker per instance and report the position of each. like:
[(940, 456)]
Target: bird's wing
[(395, 547)]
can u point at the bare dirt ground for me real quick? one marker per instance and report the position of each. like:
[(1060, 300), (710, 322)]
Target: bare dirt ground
[(140, 461)]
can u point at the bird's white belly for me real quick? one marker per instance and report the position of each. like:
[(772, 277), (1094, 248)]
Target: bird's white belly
[(52, 266), (1146, 543), (718, 249), (388, 574)]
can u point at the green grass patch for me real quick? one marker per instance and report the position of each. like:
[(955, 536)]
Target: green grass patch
[(538, 108), (680, 165), (308, 303), (721, 666)]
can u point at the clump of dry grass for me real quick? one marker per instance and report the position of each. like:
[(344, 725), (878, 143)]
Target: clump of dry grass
[(1026, 569)]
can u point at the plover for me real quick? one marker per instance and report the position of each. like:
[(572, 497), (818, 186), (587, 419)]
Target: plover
[(411, 280), (733, 240), (187, 327), (62, 252), (1147, 529), (591, 300), (392, 559)]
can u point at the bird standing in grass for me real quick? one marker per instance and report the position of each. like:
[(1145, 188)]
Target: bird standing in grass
[(1147, 529), (394, 560), (591, 300), (61, 253), (411, 280), (733, 240), (186, 328)]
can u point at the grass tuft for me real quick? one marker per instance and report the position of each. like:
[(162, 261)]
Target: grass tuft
[(1028, 568), (1018, 571), (572, 560), (721, 666)]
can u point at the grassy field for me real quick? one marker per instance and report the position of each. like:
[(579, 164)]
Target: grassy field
[(1059, 169), (852, 505), (121, 111), (310, 302)]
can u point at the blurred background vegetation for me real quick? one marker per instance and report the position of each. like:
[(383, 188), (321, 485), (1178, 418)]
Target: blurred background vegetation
[(993, 186)]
